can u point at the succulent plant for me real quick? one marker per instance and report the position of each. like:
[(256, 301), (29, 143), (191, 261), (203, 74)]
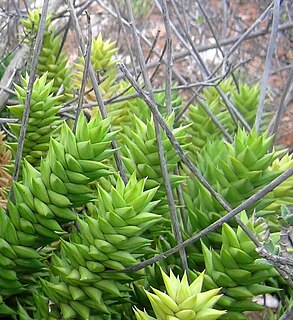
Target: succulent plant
[(176, 101), (204, 130), (140, 154), (111, 238), (43, 121), (182, 301), (282, 194), (43, 200), (238, 269), (103, 63), (45, 197), (236, 171), (51, 59), (246, 100), (121, 112), (72, 225), (19, 265)]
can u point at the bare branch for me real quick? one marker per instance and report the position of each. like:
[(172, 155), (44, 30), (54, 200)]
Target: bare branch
[(273, 127), (224, 42), (235, 114), (268, 64), (15, 65), (169, 64), (87, 59)]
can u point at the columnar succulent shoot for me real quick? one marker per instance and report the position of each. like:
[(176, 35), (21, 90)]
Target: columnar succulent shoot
[(236, 171), (285, 189), (5, 178), (20, 265), (140, 154), (203, 129), (43, 200), (212, 94), (51, 60), (238, 269), (103, 62), (246, 99), (182, 301), (110, 239), (43, 121)]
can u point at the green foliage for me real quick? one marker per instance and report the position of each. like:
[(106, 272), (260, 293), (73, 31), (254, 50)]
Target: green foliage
[(51, 59), (140, 154), (44, 199), (121, 113), (203, 129), (43, 121), (110, 239), (282, 194), (238, 269), (182, 301), (73, 226), (103, 62), (236, 171)]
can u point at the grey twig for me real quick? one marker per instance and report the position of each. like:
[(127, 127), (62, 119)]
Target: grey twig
[(124, 33), (236, 41), (275, 258), (268, 64), (235, 114), (288, 315), (6, 89), (160, 61), (8, 120), (246, 34), (15, 65), (80, 8), (225, 42), (273, 127), (87, 58), (169, 64), (114, 98)]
